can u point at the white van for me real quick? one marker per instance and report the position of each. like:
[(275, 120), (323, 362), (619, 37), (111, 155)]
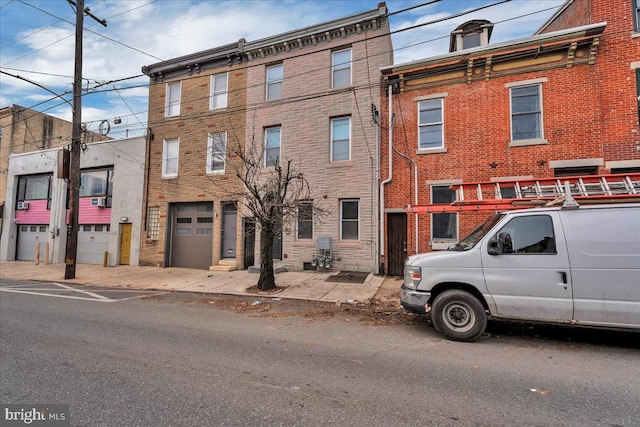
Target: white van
[(577, 265)]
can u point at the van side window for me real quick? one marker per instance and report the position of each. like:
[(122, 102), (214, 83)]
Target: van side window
[(527, 235)]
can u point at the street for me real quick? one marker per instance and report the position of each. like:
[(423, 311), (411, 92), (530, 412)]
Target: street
[(174, 359)]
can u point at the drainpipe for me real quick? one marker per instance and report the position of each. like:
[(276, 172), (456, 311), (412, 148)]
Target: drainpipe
[(390, 177), (376, 178), (415, 192)]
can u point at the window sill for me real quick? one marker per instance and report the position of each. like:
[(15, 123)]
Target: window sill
[(527, 142), (169, 176), (431, 150), (177, 116), (306, 243), (340, 164), (441, 246), (635, 34), (215, 173), (218, 109), (349, 244)]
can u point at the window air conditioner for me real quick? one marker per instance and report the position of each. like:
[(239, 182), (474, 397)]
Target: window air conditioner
[(100, 202), (23, 206)]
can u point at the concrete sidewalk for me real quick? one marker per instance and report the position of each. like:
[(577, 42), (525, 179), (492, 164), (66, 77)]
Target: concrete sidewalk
[(304, 285)]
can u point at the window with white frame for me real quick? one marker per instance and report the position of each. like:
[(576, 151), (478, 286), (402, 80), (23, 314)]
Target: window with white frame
[(430, 124), (444, 226), (526, 112), (350, 219), (172, 105), (274, 81), (271, 146), (170, 157), (219, 91), (216, 152), (341, 68), (305, 219), (340, 139)]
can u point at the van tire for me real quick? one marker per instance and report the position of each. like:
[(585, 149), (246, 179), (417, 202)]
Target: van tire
[(458, 315)]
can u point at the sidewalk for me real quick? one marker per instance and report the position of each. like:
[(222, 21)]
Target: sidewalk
[(304, 285)]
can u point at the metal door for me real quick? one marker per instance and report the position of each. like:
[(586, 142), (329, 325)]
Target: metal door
[(28, 236), (125, 244), (192, 235), (229, 230), (249, 241), (396, 243), (277, 240)]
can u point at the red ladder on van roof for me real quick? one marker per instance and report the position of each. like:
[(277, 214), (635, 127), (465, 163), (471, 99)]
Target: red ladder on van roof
[(526, 193)]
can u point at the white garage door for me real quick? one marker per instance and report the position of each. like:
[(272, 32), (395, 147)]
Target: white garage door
[(93, 242), (28, 236)]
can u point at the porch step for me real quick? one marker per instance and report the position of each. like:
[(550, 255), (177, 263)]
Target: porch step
[(224, 265)]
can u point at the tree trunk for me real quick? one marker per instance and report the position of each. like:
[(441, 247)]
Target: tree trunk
[(267, 278)]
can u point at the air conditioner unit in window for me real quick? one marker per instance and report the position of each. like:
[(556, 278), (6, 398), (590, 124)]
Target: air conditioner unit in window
[(23, 206), (100, 202)]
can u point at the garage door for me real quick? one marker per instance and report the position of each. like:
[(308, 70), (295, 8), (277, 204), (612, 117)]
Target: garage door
[(93, 242), (192, 235), (28, 236)]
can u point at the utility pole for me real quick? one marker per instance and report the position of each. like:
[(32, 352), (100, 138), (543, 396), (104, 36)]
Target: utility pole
[(74, 165)]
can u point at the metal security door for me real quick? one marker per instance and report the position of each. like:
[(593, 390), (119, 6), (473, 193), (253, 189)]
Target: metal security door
[(277, 240), (229, 230)]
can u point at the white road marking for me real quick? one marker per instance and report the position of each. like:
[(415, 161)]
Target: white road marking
[(90, 296)]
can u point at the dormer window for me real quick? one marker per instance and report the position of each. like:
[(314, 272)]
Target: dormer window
[(471, 34), (471, 40)]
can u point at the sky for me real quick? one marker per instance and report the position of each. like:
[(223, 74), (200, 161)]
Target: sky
[(37, 39)]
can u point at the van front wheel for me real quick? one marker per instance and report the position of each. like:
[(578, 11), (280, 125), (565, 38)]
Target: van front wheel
[(458, 315)]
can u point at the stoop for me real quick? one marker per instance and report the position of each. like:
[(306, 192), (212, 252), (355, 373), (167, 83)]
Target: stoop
[(224, 265)]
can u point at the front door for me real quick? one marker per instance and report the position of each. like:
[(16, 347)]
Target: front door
[(229, 230), (277, 239), (125, 244), (396, 243), (528, 275), (249, 241)]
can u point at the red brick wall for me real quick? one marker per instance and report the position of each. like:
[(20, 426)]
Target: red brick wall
[(589, 111)]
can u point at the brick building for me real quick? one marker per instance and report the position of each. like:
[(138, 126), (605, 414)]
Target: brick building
[(306, 95), (561, 102), (23, 130), (311, 96), (196, 114)]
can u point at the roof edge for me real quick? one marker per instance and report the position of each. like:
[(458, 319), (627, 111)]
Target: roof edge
[(585, 31)]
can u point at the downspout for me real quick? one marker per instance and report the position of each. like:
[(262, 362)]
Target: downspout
[(376, 178), (415, 192), (390, 177)]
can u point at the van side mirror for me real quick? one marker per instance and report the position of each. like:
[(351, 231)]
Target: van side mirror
[(492, 248)]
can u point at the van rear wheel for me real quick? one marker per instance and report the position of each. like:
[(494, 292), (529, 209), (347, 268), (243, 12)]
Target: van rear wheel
[(458, 315)]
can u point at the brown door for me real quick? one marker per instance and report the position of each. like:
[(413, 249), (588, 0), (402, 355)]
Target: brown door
[(396, 243), (125, 244)]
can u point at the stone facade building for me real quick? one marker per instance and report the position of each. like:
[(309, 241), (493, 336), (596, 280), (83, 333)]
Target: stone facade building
[(310, 95)]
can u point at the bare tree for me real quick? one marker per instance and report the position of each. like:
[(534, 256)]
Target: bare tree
[(272, 194)]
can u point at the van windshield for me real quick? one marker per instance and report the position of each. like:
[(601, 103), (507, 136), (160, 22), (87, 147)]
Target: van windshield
[(476, 235)]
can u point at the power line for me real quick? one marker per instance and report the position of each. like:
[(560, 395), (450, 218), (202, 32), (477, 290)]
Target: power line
[(87, 29), (308, 53)]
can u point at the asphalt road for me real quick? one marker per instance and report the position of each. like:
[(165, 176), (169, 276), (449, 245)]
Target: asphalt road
[(176, 360)]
